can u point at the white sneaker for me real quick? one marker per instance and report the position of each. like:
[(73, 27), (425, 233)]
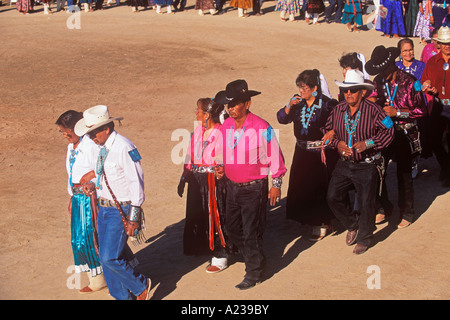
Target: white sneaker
[(217, 265)]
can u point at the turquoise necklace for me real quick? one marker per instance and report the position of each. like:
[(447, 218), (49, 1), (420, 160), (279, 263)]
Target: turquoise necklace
[(350, 126), (100, 163), (73, 155), (199, 150), (233, 135), (72, 158), (307, 113)]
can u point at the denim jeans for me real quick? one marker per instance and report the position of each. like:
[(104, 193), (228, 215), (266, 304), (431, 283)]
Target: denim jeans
[(363, 177), (339, 9), (121, 278), (246, 222)]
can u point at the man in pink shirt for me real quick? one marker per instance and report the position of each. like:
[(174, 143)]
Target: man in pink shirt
[(250, 153)]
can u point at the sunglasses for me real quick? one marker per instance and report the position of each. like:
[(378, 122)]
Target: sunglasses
[(93, 133), (346, 90)]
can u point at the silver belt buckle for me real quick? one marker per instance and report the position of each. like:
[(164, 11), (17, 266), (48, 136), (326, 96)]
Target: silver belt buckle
[(313, 144), (445, 101), (373, 158)]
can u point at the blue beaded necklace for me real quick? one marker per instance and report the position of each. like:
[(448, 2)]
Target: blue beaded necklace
[(72, 158), (350, 126), (100, 163), (307, 113), (391, 96), (233, 135)]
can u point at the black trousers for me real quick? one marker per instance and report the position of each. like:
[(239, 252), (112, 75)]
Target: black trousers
[(438, 124), (339, 4), (219, 4), (182, 4), (363, 178), (257, 4), (99, 5), (400, 151), (246, 222)]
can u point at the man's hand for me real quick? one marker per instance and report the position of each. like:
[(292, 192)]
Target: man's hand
[(360, 146), (427, 88), (132, 228), (343, 149), (274, 196)]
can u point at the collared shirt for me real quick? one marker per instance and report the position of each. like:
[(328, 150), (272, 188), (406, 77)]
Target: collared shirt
[(125, 176), (435, 73), (205, 147), (85, 156), (373, 124), (252, 151), (406, 96)]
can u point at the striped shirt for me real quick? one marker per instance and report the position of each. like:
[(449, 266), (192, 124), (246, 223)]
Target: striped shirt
[(373, 124)]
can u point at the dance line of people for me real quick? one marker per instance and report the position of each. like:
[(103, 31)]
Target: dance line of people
[(235, 166), (394, 18), (343, 145)]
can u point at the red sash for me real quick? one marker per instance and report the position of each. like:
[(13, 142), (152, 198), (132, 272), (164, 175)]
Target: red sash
[(214, 219)]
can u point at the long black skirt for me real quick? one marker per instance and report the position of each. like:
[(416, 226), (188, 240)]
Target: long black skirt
[(196, 229), (308, 185)]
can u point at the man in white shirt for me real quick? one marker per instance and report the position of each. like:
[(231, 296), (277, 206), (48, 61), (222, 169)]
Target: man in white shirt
[(120, 187)]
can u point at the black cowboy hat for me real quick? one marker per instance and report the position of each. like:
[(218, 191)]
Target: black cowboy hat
[(236, 90), (380, 59)]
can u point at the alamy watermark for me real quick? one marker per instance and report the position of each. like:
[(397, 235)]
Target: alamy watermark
[(74, 20), (257, 147), (374, 280), (74, 279)]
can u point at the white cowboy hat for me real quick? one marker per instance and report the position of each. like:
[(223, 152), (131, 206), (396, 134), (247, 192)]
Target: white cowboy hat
[(93, 118), (444, 35), (354, 78)]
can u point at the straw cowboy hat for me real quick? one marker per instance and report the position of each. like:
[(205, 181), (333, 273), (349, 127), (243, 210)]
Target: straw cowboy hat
[(236, 90), (444, 35), (354, 78), (93, 118), (380, 59)]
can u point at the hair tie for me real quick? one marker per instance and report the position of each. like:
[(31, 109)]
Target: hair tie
[(208, 109), (222, 116)]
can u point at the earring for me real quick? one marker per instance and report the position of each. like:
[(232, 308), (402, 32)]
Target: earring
[(314, 94)]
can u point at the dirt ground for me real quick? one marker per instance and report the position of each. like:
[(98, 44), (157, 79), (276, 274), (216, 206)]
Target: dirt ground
[(151, 69)]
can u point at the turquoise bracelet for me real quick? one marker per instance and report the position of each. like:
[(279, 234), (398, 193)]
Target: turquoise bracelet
[(369, 143)]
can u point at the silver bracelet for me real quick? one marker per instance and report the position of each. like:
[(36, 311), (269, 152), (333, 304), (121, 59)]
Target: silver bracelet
[(402, 115), (135, 214), (277, 182)]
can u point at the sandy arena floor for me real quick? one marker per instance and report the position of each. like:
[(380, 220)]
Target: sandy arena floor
[(151, 70)]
